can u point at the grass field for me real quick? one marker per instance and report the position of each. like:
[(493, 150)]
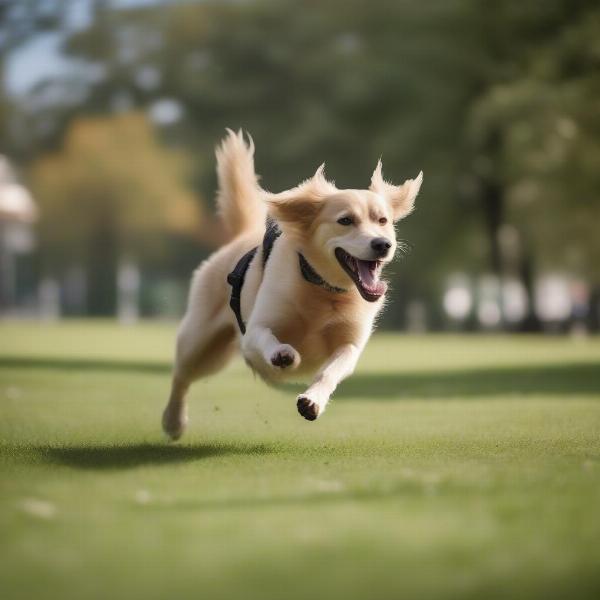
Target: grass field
[(447, 467)]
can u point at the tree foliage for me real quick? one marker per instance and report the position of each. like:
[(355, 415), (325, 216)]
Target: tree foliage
[(497, 105), (111, 191)]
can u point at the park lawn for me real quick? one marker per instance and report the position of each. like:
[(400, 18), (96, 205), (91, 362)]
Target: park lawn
[(447, 467)]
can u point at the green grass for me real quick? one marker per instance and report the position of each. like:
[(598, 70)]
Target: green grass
[(447, 467)]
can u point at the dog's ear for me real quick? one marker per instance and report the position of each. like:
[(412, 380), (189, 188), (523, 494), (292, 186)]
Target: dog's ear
[(401, 197), (300, 205)]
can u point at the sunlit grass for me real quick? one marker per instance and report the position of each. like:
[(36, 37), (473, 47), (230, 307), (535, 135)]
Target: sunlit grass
[(446, 467)]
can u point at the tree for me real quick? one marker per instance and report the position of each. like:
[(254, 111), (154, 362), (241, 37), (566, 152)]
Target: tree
[(470, 95), (534, 130), (112, 191), (341, 82)]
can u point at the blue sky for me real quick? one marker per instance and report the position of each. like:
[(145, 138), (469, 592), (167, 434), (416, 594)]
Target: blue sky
[(41, 57)]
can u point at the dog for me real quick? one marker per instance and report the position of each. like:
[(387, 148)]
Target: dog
[(298, 287)]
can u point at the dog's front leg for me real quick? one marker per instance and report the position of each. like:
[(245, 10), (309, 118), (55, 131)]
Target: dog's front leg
[(260, 343), (313, 402)]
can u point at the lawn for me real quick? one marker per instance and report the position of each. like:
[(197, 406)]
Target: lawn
[(447, 467)]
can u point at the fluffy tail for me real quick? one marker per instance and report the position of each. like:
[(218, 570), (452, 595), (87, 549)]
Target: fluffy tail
[(239, 202)]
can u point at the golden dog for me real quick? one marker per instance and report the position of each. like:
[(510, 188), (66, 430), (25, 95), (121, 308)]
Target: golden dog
[(307, 300)]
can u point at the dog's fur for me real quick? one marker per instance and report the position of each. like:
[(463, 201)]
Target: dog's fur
[(295, 329)]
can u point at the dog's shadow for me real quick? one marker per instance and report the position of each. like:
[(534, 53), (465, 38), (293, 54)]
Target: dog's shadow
[(105, 457)]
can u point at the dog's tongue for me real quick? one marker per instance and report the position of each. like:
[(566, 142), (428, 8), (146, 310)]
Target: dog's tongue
[(367, 272)]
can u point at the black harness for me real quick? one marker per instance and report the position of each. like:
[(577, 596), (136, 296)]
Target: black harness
[(236, 278)]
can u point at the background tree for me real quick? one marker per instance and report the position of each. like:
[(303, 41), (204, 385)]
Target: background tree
[(341, 82), (496, 106), (534, 132), (112, 191)]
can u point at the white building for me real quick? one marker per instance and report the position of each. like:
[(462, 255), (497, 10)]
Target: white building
[(18, 213)]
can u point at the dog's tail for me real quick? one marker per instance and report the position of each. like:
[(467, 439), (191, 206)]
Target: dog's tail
[(239, 199)]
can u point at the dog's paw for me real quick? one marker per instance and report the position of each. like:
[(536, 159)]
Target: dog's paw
[(284, 357), (174, 424), (307, 408)]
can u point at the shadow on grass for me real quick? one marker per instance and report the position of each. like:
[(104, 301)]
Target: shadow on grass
[(553, 380), (139, 455), (76, 364)]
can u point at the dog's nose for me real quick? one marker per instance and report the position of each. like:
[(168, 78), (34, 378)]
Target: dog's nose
[(381, 246)]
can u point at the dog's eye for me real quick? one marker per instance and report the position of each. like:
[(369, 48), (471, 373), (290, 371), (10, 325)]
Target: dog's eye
[(346, 221), (382, 221)]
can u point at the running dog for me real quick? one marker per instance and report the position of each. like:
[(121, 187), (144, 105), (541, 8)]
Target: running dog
[(298, 287)]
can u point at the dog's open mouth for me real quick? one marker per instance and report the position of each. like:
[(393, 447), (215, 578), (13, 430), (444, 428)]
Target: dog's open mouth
[(364, 273)]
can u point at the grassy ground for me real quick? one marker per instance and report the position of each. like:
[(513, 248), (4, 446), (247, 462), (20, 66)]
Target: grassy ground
[(447, 467)]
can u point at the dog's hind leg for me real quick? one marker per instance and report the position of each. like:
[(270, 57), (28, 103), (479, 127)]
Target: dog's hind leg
[(203, 348)]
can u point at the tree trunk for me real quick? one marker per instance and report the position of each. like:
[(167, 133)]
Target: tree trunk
[(531, 322), (492, 199), (494, 207), (493, 212), (102, 269)]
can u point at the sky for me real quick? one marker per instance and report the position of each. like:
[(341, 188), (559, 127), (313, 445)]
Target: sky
[(36, 60), (41, 57)]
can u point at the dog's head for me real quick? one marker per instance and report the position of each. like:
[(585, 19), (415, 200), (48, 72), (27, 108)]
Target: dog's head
[(346, 234)]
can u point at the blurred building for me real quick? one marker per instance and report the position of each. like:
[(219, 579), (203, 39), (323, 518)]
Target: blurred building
[(18, 213)]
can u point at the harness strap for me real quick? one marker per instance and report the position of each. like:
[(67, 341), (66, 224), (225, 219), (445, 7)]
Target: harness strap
[(271, 234), (236, 280), (313, 277)]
